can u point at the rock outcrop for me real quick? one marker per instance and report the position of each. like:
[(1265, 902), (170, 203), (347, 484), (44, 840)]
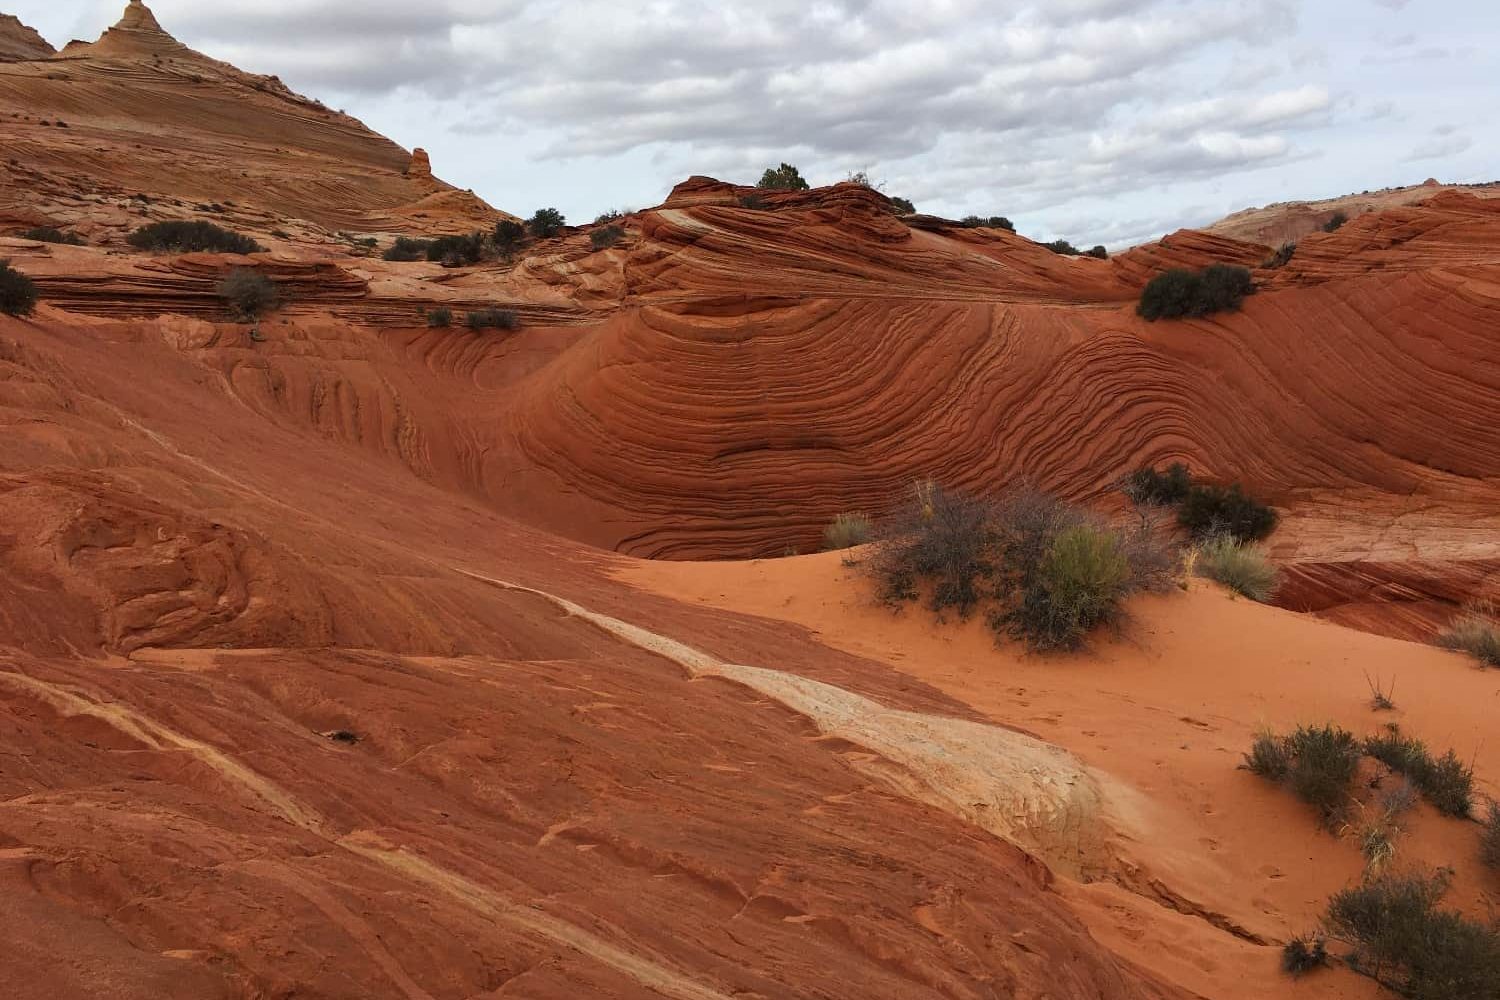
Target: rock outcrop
[(20, 43)]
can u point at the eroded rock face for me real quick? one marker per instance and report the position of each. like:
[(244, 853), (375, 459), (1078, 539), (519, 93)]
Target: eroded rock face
[(19, 42), (420, 168)]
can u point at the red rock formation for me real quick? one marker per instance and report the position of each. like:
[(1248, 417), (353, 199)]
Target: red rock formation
[(156, 129), (20, 43)]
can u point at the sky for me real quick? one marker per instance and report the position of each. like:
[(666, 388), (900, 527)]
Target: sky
[(1096, 121)]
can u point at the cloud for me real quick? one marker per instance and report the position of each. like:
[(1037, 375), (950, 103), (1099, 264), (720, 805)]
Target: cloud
[(1444, 143), (1056, 108)]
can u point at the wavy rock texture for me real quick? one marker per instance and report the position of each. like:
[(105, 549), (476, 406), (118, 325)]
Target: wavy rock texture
[(203, 587)]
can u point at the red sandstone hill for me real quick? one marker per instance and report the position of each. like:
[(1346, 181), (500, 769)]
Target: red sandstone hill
[(328, 669), (137, 127)]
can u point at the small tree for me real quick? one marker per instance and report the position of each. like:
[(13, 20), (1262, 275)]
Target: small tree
[(18, 293), (452, 251), (783, 178), (546, 223), (248, 293), (509, 236), (406, 250)]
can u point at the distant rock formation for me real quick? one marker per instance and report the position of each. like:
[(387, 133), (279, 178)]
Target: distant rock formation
[(421, 166), (136, 34), (21, 43)]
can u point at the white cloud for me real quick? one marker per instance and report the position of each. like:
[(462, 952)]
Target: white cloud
[(1045, 110)]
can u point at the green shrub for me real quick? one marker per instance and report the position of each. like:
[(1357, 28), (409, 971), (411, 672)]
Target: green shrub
[(18, 294), (603, 239), (993, 222), (904, 206), (1489, 840), (1048, 572), (191, 237), (1180, 293), (456, 251), (1317, 764), (1269, 757), (1081, 585), (847, 531), (492, 319), (1242, 568), (1475, 631), (1062, 247), (545, 223), (441, 316), (509, 236), (248, 293), (754, 202), (1166, 489), (606, 217), (1404, 941), (47, 234), (1446, 781), (1209, 510), (941, 536), (1335, 223), (1302, 955), (405, 250), (1097, 252), (783, 178)]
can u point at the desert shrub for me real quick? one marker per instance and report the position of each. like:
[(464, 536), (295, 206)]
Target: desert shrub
[(608, 216), (1080, 585), (783, 178), (1269, 757), (281, 234), (191, 237), (509, 236), (1097, 252), (545, 223), (1062, 247), (904, 206), (441, 316), (1163, 488), (453, 251), (18, 294), (1047, 571), (247, 293), (1317, 763), (1489, 840), (406, 250), (1282, 257), (1445, 781), (941, 536), (754, 202), (1303, 954), (47, 234), (847, 531), (993, 222), (1210, 510), (1180, 293), (1242, 568), (492, 319), (1475, 631), (603, 239), (1335, 223), (1404, 941)]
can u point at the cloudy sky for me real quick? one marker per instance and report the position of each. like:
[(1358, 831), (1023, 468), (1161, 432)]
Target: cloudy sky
[(1108, 121)]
